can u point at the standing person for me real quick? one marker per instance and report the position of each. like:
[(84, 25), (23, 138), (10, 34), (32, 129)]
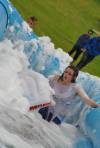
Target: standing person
[(82, 40), (91, 50), (65, 90), (32, 21)]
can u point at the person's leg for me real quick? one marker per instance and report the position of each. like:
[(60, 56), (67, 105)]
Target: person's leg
[(56, 121), (44, 112), (77, 54), (50, 115), (72, 50), (46, 115), (86, 58)]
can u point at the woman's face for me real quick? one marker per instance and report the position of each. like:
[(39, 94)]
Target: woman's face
[(68, 75)]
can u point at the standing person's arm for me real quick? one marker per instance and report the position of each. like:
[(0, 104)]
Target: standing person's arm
[(97, 32), (86, 98)]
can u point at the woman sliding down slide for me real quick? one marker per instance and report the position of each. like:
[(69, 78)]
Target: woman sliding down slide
[(65, 90)]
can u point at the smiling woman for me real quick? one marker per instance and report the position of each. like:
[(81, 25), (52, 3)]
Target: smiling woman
[(65, 90)]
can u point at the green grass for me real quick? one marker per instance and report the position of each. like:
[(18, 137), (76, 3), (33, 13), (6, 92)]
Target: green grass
[(63, 21)]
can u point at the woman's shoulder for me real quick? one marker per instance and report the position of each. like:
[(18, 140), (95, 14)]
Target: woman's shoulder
[(76, 85)]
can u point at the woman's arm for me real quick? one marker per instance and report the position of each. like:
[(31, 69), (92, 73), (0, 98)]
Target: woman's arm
[(86, 98), (53, 77), (52, 80)]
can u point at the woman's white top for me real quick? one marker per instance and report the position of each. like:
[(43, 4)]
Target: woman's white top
[(64, 96)]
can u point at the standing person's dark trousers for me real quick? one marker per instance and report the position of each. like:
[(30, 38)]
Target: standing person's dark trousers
[(77, 50), (86, 58)]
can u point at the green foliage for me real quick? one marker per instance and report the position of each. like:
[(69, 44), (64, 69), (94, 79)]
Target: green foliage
[(64, 21)]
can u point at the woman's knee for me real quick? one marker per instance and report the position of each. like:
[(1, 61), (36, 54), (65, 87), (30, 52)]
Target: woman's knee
[(57, 121), (44, 112)]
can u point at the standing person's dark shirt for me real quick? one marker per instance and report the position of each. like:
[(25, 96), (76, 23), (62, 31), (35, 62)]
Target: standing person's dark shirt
[(92, 49), (93, 46), (82, 40)]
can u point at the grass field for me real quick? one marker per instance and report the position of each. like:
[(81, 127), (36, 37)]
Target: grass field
[(63, 21)]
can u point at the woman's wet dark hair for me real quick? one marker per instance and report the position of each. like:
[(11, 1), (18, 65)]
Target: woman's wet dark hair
[(76, 71)]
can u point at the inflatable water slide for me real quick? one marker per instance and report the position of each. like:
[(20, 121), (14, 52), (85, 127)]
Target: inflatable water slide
[(44, 59)]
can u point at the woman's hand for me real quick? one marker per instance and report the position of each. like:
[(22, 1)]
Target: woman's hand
[(98, 105), (93, 104)]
